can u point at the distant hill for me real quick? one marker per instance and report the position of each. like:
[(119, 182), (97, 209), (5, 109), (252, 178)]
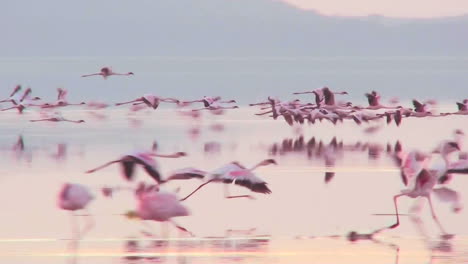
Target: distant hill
[(216, 28)]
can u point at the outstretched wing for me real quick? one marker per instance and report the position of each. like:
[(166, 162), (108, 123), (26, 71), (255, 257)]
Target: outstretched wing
[(186, 173)]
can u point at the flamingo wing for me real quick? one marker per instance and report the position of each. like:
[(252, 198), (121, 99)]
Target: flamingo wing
[(186, 173), (246, 179), (128, 168)]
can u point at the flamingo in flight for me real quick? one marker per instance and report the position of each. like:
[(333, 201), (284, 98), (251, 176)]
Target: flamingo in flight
[(61, 100), (150, 100), (23, 102), (233, 172), (325, 95), (106, 72), (208, 100), (57, 117), (142, 158), (14, 96), (73, 197), (373, 99), (158, 205), (425, 181)]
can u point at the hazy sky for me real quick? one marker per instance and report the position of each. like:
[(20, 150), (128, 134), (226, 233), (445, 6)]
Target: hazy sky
[(394, 8)]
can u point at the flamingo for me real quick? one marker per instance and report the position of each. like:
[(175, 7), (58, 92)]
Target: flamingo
[(150, 100), (323, 94), (426, 180), (208, 100), (73, 197), (462, 109), (234, 173), (14, 96), (106, 72), (142, 158), (215, 108), (23, 102), (57, 117), (374, 102), (61, 100), (158, 205)]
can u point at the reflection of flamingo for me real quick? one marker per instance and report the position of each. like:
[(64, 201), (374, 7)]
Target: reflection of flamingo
[(143, 158), (73, 197), (106, 72), (157, 205), (232, 173)]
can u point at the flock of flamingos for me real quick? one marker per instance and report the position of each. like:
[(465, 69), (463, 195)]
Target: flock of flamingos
[(423, 174)]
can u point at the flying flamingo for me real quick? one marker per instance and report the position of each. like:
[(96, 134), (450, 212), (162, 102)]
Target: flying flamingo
[(142, 158), (106, 72), (373, 99), (73, 197), (14, 96), (208, 100), (150, 100), (215, 108), (425, 182), (234, 173), (23, 102), (61, 100), (324, 94), (57, 117), (158, 205)]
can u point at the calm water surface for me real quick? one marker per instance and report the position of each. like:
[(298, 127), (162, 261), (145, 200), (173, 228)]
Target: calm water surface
[(304, 220)]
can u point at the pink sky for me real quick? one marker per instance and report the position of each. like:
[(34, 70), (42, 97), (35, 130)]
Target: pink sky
[(393, 8)]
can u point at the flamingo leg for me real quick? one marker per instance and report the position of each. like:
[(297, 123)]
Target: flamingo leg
[(8, 108), (228, 196), (129, 102), (181, 228), (198, 188), (103, 166), (434, 216), (395, 198), (89, 224), (264, 113), (93, 74), (39, 120)]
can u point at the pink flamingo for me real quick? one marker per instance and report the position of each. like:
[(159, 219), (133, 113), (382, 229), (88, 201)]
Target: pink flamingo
[(150, 100), (14, 96), (208, 100), (142, 158), (233, 172), (73, 197), (158, 205), (106, 72), (61, 100), (426, 179)]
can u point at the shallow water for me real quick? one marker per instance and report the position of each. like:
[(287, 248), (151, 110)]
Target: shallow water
[(304, 220)]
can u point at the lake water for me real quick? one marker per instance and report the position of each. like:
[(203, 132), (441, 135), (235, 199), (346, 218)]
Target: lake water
[(304, 220)]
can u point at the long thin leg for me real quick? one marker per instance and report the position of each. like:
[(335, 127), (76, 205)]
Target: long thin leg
[(228, 196), (89, 224), (39, 120), (198, 188), (434, 215), (396, 211), (75, 232), (181, 228), (264, 113), (103, 166), (129, 102)]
